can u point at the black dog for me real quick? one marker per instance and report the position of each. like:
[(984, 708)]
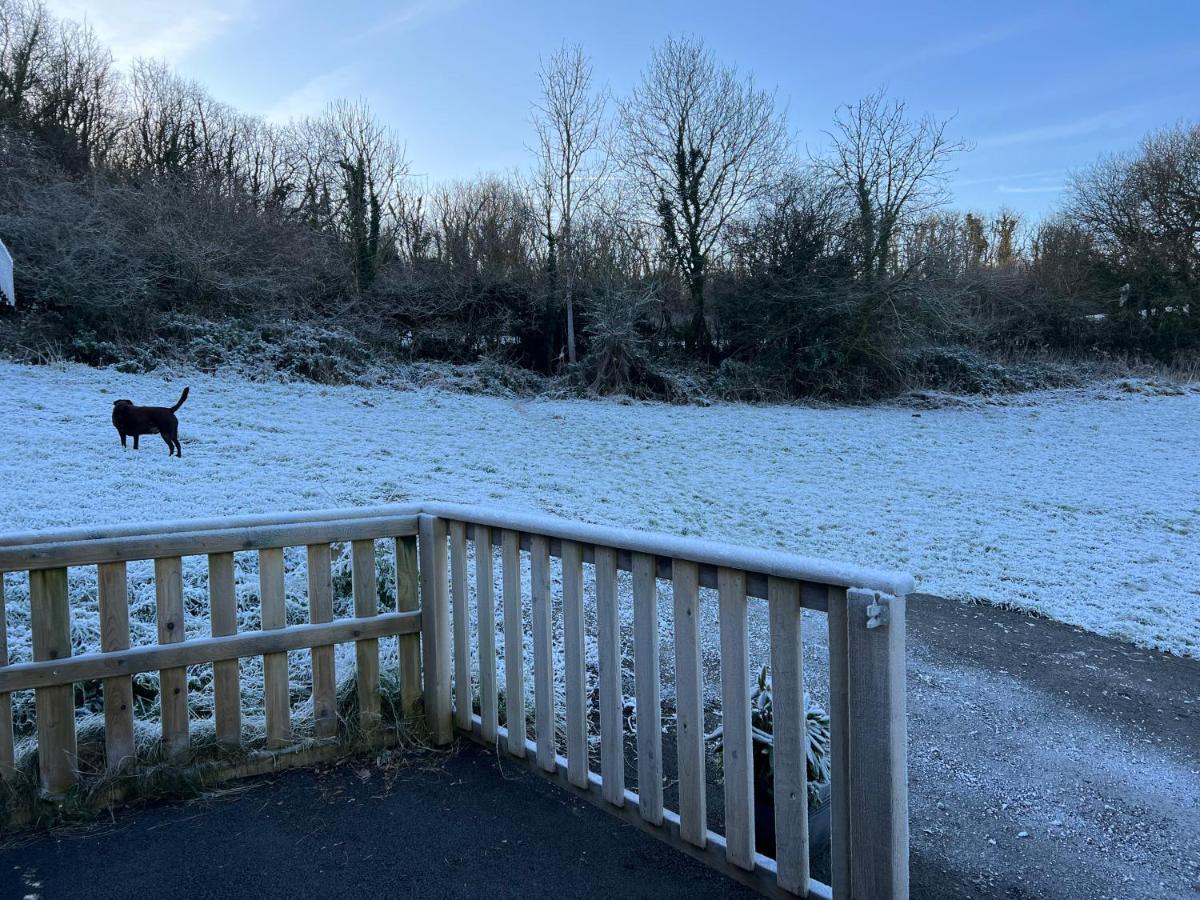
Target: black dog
[(139, 420)]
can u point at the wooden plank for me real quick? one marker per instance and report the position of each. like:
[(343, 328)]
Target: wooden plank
[(324, 663), (647, 689), (227, 679), (435, 620), (790, 750), (85, 667), (576, 676), (736, 740), (7, 745), (689, 694), (276, 696), (812, 594), (878, 736), (219, 540), (463, 694), (612, 697), (366, 651), (50, 618), (486, 619), (514, 644), (839, 746), (408, 600), (118, 692), (172, 682), (543, 652)]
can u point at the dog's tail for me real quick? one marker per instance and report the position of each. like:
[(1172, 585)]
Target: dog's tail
[(182, 397)]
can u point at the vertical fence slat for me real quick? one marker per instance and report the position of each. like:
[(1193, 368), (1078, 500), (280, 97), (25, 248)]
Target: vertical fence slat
[(435, 628), (324, 665), (693, 826), (514, 643), (612, 698), (227, 686), (576, 679), (646, 687), (50, 617), (7, 757), (736, 741), (878, 736), (118, 692), (276, 699), (408, 600), (486, 621), (790, 756), (543, 653), (173, 698), (839, 746), (462, 626), (366, 652)]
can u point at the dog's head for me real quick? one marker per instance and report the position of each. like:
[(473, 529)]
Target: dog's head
[(122, 403)]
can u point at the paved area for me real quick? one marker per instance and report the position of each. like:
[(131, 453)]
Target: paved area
[(1044, 762)]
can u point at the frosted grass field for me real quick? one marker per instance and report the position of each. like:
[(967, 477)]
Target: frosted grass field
[(1080, 505)]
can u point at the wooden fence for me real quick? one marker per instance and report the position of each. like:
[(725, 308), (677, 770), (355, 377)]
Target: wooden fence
[(440, 674)]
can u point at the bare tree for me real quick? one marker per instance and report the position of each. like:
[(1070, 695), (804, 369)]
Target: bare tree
[(893, 166), (572, 165), (703, 144)]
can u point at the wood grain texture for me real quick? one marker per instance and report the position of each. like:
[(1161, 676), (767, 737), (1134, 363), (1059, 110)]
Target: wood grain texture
[(878, 736), (514, 644), (324, 664), (227, 679), (689, 693), (790, 757), (366, 651), (50, 619), (7, 746), (113, 593), (543, 652), (463, 691), (576, 678), (173, 696), (408, 600), (839, 746), (435, 621), (276, 698), (736, 740), (647, 688), (485, 597), (612, 697)]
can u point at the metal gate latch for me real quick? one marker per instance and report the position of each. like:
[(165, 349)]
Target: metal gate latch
[(879, 612)]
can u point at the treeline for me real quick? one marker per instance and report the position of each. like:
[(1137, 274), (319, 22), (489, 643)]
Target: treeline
[(674, 230)]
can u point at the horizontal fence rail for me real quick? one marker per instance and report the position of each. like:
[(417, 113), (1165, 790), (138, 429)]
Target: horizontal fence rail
[(476, 586)]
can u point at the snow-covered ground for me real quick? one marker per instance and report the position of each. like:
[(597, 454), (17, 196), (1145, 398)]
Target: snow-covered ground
[(1082, 505)]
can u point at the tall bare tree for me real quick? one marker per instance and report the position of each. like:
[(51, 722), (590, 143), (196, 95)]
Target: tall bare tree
[(572, 165), (704, 144), (894, 168)]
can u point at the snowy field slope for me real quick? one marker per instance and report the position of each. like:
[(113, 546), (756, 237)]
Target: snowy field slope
[(1081, 505)]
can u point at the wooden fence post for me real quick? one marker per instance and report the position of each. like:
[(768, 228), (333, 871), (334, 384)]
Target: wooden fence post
[(366, 651), (172, 683), (227, 679), (7, 758), (878, 736), (118, 691), (408, 600), (324, 665), (839, 746), (276, 691), (435, 627), (50, 615)]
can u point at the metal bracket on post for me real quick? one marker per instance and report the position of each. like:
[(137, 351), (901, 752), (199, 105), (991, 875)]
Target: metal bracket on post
[(879, 612)]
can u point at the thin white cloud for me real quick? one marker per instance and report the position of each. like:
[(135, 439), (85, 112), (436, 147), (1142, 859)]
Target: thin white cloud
[(962, 44), (314, 95), (1105, 121), (164, 29), (408, 15), (1033, 189)]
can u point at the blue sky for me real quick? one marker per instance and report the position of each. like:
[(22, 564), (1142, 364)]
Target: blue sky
[(1040, 88)]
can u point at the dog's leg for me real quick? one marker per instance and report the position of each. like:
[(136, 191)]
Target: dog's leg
[(135, 441), (123, 441), (170, 446)]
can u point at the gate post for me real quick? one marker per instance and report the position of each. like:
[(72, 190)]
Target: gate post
[(435, 626)]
